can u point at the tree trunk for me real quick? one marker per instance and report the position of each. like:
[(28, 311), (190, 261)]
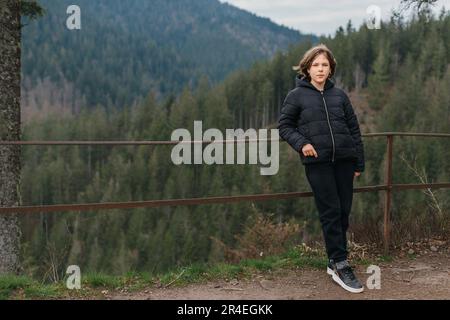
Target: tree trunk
[(9, 130)]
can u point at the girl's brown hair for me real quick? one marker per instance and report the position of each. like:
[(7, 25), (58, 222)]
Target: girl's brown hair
[(309, 57)]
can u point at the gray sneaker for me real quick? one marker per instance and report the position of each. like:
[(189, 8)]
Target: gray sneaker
[(345, 277)]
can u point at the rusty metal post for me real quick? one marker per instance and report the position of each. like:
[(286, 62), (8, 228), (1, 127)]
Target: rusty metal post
[(388, 195)]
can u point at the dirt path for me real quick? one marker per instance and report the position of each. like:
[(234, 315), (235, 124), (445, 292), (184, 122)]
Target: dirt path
[(426, 277)]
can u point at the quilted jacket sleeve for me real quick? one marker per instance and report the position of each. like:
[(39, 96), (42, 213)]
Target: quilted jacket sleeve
[(353, 125), (287, 124)]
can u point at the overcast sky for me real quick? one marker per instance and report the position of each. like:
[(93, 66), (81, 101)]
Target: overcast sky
[(320, 16)]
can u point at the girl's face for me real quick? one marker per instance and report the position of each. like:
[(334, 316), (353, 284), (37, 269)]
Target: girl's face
[(320, 69)]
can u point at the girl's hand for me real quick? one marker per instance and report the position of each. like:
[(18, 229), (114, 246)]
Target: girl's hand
[(357, 174), (309, 151)]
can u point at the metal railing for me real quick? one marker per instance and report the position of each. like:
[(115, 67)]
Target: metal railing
[(388, 186)]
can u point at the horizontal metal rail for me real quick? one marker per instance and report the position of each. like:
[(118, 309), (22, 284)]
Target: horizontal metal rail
[(165, 142), (201, 201)]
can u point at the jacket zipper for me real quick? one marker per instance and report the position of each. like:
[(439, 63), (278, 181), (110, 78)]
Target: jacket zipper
[(329, 125)]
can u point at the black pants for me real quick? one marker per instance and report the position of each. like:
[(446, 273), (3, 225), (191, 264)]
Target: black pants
[(332, 185)]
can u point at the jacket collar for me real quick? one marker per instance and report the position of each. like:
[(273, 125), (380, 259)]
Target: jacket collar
[(304, 82)]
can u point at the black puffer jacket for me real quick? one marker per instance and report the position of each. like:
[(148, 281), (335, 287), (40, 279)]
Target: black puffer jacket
[(324, 119)]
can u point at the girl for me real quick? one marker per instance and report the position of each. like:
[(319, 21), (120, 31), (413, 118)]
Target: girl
[(318, 121)]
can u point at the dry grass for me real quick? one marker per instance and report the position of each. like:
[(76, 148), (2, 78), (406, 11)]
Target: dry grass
[(262, 237)]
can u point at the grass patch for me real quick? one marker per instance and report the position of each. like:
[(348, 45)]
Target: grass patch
[(194, 273), (43, 292), (97, 280), (22, 287), (225, 271), (10, 283), (261, 265), (93, 284), (302, 257)]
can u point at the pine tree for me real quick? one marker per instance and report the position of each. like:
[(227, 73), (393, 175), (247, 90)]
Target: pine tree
[(379, 79), (9, 131)]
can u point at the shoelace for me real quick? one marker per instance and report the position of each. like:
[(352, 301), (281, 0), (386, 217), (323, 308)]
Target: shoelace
[(347, 271)]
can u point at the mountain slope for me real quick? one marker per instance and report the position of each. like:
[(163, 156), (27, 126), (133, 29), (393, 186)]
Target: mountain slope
[(126, 49)]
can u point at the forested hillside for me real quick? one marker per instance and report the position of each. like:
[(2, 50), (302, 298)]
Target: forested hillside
[(127, 48), (398, 78)]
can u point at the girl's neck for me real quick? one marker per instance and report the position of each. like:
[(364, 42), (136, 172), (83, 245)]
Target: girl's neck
[(318, 86)]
